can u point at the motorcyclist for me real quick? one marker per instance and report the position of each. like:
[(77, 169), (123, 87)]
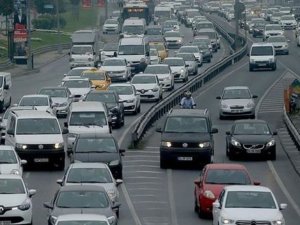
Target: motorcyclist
[(142, 65), (187, 102)]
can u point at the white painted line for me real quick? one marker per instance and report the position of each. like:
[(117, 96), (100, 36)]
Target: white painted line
[(145, 171), (141, 160), (283, 188), (152, 196), (150, 166), (152, 147), (144, 189), (146, 152), (171, 198), (143, 177), (143, 156), (270, 111)]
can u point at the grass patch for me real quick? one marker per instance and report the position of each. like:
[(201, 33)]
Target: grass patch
[(3, 50), (47, 38)]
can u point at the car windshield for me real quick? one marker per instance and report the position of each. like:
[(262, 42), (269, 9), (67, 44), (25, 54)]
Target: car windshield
[(110, 47), (170, 23), (189, 50), (1, 81), (154, 31), (192, 14), (89, 175), (114, 62), (158, 47), (82, 222), (174, 62), (55, 93), (101, 97), (236, 94), (186, 57), (262, 50), (116, 14), (11, 186), (153, 52), (276, 39), (250, 199), (201, 41), (140, 79), (211, 35), (185, 124), (33, 126), (76, 72), (161, 69), (251, 128), (82, 199), (162, 13), (122, 90), (111, 21), (96, 75), (88, 119), (96, 145), (226, 176), (34, 101), (7, 157), (204, 25), (273, 27), (77, 84), (81, 50), (133, 29), (172, 34), (259, 24), (287, 18), (131, 50)]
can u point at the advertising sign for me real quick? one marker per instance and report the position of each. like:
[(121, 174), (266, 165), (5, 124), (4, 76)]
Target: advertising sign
[(86, 3)]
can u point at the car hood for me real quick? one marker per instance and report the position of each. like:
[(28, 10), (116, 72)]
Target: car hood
[(110, 25), (12, 199), (114, 68), (172, 38), (132, 58), (238, 102), (7, 168), (253, 139), (96, 157), (288, 21), (176, 68), (274, 32), (79, 91), (185, 137), (279, 43), (39, 139), (144, 86), (63, 211), (59, 100), (88, 129), (108, 53), (107, 186), (251, 214), (126, 97)]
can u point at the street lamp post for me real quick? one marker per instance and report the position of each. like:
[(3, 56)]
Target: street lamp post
[(59, 48), (29, 54)]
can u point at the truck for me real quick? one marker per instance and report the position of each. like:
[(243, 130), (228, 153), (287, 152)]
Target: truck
[(84, 50)]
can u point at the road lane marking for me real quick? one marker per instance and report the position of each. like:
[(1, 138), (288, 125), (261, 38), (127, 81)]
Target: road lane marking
[(171, 198), (141, 160), (283, 188), (150, 166), (145, 177), (145, 171)]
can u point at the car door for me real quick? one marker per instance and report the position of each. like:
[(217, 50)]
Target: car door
[(10, 138), (216, 211), (6, 91)]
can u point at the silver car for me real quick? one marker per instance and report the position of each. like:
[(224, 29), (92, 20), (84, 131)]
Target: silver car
[(280, 44), (178, 68), (82, 219), (111, 26), (236, 101), (117, 69), (191, 61)]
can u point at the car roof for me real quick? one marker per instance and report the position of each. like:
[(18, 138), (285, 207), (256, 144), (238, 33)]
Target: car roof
[(188, 112), (247, 188), (87, 165), (172, 31), (207, 30), (55, 87), (82, 67), (95, 135), (236, 87), (35, 95), (72, 78), (32, 114), (121, 85), (144, 74), (262, 44), (226, 166), (132, 41), (158, 65), (114, 58), (85, 187), (87, 106), (85, 217), (250, 121), (173, 58)]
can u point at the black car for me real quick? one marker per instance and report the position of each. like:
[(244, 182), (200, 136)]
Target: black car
[(250, 137), (186, 136), (258, 29), (87, 199), (98, 148), (113, 103)]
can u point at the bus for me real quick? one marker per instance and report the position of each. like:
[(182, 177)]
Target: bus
[(139, 10)]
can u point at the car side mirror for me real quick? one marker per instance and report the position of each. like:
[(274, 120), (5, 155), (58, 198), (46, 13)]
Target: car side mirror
[(228, 132), (282, 206), (6, 87), (60, 182), (254, 96), (48, 205), (256, 183), (197, 183), (214, 130), (119, 181), (66, 124), (158, 129), (65, 130), (31, 192), (23, 161), (274, 132), (10, 132), (147, 54), (116, 205), (216, 205), (218, 97)]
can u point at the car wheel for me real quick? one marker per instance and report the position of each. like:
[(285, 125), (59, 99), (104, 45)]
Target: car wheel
[(209, 60), (122, 120), (274, 67), (196, 207), (287, 53), (252, 116), (273, 155), (186, 79), (9, 103), (164, 164), (230, 155), (250, 68), (221, 117), (61, 165), (117, 213), (196, 71), (1, 106)]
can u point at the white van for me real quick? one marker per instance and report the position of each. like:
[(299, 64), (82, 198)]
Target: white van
[(133, 27), (86, 117), (5, 90), (262, 55), (161, 14)]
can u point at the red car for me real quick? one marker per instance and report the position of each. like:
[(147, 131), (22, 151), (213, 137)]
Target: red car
[(212, 180)]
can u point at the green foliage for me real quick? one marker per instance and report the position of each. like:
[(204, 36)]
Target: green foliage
[(75, 2), (48, 22), (39, 5), (6, 7)]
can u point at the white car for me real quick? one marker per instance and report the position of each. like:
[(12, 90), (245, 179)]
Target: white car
[(280, 44), (117, 69), (154, 56), (15, 198), (111, 26), (148, 86), (288, 22), (10, 162), (76, 71), (94, 174), (173, 39), (79, 87), (79, 218), (178, 67), (128, 94), (247, 204), (195, 50), (38, 101), (108, 51), (164, 74), (237, 101), (272, 30)]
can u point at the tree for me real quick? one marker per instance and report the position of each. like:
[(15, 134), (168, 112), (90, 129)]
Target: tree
[(40, 6), (7, 7), (75, 8)]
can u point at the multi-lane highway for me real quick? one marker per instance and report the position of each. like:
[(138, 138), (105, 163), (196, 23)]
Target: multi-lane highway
[(152, 196)]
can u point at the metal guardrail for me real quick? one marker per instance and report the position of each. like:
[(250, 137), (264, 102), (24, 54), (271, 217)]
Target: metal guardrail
[(158, 110), (291, 128)]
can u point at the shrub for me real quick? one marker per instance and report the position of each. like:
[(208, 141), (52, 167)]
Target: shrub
[(48, 22)]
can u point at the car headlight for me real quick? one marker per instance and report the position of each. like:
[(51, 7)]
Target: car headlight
[(166, 144), (285, 46), (114, 163), (21, 146), (130, 100), (271, 143), (180, 40), (53, 219), (58, 145), (278, 222), (271, 60), (250, 105), (226, 220), (155, 89), (182, 71), (209, 194), (235, 142), (15, 172), (25, 205), (204, 144), (224, 106), (111, 219)]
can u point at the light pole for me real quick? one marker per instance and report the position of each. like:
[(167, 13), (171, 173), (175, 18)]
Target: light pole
[(29, 54), (237, 17), (59, 47)]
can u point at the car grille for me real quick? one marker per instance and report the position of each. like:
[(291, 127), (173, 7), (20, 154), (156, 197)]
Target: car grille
[(142, 91), (277, 46), (185, 144), (40, 147), (254, 146), (252, 222), (273, 34), (262, 62), (236, 107)]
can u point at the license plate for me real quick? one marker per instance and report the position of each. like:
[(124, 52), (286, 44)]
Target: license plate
[(236, 111), (185, 158), (262, 64), (253, 151), (5, 223), (41, 160)]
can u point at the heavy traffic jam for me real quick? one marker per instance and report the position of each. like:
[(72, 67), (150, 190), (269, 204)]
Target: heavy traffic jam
[(150, 49)]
